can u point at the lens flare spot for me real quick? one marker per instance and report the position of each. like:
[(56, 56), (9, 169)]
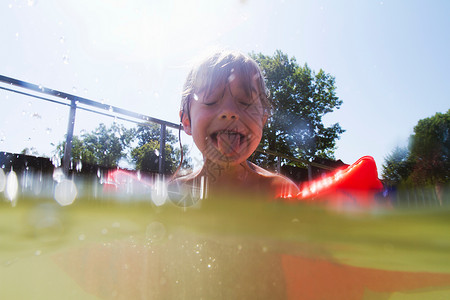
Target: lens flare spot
[(12, 186), (65, 192), (159, 192), (2, 180)]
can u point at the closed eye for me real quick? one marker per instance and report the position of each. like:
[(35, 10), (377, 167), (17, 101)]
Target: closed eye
[(210, 103), (245, 103), (213, 97)]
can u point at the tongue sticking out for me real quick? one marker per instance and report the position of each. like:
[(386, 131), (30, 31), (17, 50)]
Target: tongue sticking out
[(228, 142)]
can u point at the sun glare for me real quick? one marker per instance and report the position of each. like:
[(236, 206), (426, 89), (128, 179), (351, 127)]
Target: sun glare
[(142, 31)]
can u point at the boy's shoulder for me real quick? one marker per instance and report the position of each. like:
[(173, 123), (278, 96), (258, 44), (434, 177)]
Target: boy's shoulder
[(283, 186)]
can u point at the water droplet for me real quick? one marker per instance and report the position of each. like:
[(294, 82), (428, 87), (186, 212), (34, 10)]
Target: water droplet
[(65, 192), (12, 186), (155, 231), (195, 97), (110, 109), (82, 237), (74, 89), (48, 130), (231, 77), (37, 252), (17, 35), (62, 40), (65, 59), (115, 225)]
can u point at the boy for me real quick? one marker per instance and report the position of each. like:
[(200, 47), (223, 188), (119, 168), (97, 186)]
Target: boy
[(224, 108)]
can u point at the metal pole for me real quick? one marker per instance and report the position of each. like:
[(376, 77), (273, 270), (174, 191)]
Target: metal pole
[(310, 172), (278, 164), (162, 149), (69, 137)]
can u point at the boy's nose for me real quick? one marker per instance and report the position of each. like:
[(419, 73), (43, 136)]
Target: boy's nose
[(229, 111), (229, 115)]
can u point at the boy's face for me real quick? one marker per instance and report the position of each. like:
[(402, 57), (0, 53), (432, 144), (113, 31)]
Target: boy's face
[(227, 124)]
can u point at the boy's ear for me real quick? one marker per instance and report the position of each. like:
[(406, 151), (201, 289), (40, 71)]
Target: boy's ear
[(265, 118), (186, 123)]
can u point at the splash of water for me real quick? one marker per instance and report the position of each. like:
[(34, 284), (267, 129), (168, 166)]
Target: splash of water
[(12, 187), (159, 192), (2, 180), (65, 192)]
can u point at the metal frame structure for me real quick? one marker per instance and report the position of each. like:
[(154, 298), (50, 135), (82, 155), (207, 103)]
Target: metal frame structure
[(76, 102)]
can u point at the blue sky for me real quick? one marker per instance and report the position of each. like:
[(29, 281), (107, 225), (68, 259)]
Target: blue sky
[(390, 59)]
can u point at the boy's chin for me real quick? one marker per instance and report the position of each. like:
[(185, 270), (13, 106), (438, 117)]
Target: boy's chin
[(227, 160)]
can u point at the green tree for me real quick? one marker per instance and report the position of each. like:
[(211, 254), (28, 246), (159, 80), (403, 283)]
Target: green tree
[(146, 154), (104, 146), (30, 151), (300, 99), (429, 146), (426, 161), (397, 167), (146, 157)]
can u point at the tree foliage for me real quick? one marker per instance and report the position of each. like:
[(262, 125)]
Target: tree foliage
[(426, 161), (106, 146), (300, 99), (103, 146), (397, 166), (429, 146), (146, 154)]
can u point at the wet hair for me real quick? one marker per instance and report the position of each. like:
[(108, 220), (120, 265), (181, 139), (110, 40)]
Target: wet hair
[(215, 69)]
